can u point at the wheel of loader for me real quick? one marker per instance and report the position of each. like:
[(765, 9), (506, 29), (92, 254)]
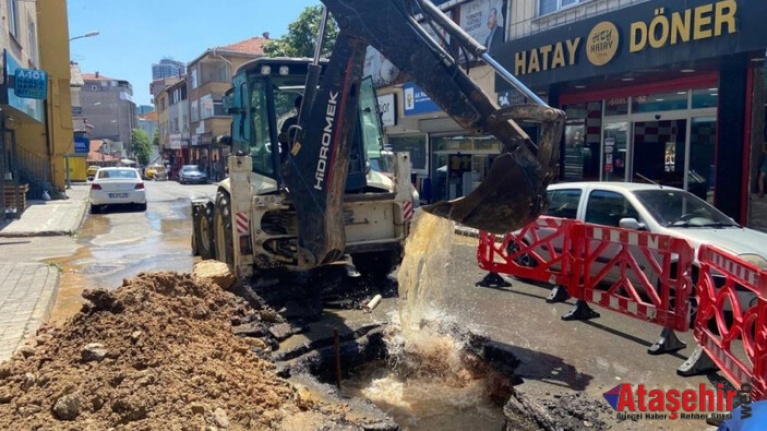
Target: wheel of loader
[(377, 264), (203, 232), (224, 246)]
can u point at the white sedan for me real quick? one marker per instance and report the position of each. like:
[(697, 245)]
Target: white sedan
[(117, 186)]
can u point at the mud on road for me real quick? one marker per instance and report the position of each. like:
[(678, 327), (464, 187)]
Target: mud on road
[(156, 354)]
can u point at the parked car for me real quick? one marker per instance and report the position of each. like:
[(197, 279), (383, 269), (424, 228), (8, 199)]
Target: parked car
[(657, 209), (192, 174), (90, 173), (113, 186)]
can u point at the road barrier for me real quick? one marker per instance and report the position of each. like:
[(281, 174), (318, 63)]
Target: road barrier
[(537, 252), (647, 276), (717, 333), (638, 274)]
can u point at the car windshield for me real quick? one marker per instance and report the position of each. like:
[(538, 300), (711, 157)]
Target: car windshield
[(678, 208), (191, 169)]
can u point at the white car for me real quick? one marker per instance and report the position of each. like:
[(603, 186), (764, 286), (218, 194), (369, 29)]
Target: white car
[(657, 209), (116, 186)]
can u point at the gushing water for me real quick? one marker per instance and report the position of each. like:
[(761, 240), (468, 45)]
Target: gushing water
[(428, 384)]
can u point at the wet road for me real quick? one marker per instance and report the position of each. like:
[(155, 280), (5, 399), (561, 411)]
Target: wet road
[(123, 242)]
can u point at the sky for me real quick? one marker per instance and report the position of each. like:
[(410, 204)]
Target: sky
[(134, 34)]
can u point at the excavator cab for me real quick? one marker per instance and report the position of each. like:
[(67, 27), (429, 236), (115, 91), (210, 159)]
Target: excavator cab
[(262, 103)]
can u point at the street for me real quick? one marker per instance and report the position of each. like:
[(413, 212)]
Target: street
[(122, 242), (557, 357)]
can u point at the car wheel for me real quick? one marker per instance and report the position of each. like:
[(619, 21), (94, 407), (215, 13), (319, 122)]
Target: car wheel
[(142, 207), (95, 209), (223, 228)]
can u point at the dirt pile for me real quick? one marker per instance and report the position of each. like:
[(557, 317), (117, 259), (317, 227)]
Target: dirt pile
[(158, 353)]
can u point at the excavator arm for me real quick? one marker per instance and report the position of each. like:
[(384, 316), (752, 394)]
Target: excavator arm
[(314, 173)]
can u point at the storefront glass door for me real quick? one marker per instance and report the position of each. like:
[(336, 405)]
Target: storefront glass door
[(703, 152), (615, 150), (660, 154)]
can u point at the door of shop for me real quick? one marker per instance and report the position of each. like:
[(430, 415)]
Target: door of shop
[(675, 147)]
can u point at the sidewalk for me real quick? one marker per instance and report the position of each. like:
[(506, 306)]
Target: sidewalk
[(28, 288)]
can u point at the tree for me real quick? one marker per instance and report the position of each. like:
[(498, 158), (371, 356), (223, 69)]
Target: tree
[(156, 138), (302, 34), (139, 141)]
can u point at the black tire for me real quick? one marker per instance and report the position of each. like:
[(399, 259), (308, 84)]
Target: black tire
[(202, 238), (378, 264), (224, 245), (523, 259), (96, 209), (142, 207)]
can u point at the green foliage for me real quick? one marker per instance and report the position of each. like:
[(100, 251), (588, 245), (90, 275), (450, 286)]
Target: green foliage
[(140, 146), (302, 34), (156, 138)]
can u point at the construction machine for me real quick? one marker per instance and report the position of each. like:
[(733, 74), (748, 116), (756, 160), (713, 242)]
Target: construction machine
[(313, 198)]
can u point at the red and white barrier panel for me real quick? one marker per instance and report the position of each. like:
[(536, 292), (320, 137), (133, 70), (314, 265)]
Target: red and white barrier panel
[(732, 310), (638, 274), (540, 251)]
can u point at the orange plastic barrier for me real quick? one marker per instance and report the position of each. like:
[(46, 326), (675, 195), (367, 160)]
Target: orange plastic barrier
[(638, 274), (749, 325), (539, 251)]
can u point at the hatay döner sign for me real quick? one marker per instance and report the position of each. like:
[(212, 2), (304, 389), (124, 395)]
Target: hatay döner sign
[(664, 29)]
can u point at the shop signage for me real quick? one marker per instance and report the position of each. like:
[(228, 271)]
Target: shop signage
[(82, 145), (30, 83), (646, 35), (388, 108), (416, 101), (174, 141)]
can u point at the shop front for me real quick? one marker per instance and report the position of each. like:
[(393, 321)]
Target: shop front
[(655, 92)]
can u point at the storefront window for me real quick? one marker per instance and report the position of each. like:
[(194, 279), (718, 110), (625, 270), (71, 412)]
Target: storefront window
[(705, 98), (416, 145), (459, 164), (616, 106), (582, 140), (659, 102)]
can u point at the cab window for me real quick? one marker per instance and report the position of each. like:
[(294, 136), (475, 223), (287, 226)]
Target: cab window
[(563, 203), (608, 208)]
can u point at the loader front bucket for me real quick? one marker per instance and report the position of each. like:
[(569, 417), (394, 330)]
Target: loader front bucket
[(512, 196), (514, 193)]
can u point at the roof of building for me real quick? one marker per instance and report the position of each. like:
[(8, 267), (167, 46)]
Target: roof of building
[(254, 45), (252, 48), (150, 116), (96, 77)]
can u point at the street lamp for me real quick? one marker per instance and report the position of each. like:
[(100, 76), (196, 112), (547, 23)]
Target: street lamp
[(89, 34)]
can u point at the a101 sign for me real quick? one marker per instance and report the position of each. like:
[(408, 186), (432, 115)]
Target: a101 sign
[(30, 83)]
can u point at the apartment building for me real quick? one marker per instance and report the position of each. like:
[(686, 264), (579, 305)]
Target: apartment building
[(209, 77), (173, 123), (107, 105), (168, 68), (670, 91)]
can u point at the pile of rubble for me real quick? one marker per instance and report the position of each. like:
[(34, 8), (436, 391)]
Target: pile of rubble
[(157, 353)]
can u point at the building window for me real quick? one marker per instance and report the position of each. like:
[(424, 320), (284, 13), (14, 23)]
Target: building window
[(95, 87), (195, 114), (549, 6), (193, 77), (218, 108), (32, 37), (13, 18)]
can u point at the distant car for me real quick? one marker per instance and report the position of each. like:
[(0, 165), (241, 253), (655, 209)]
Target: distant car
[(150, 171), (657, 209), (161, 173), (91, 172), (114, 186), (192, 174)]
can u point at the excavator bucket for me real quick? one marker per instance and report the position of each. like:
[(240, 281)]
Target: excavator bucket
[(514, 192)]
